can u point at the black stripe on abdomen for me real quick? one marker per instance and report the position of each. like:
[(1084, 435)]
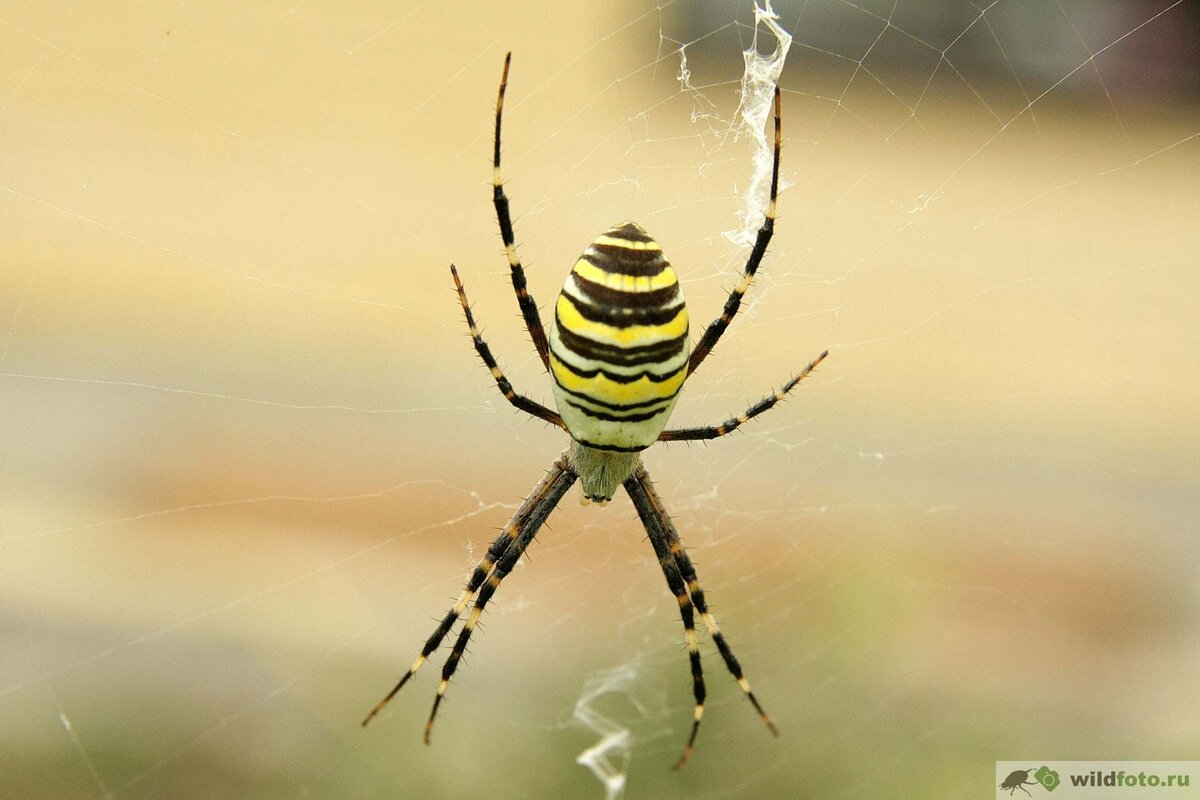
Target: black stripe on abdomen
[(624, 317), (656, 353), (601, 295), (614, 418), (624, 260)]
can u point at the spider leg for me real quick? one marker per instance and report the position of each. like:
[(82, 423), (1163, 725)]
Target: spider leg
[(538, 505), (529, 309), (496, 552), (712, 333), (654, 520), (733, 423), (664, 536), (519, 400)]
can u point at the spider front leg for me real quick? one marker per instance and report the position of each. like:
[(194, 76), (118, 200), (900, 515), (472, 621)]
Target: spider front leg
[(529, 309), (519, 400), (688, 571), (682, 580), (733, 423), (638, 487), (501, 556), (541, 502)]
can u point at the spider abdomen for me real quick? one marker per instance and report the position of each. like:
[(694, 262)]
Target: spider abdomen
[(619, 345)]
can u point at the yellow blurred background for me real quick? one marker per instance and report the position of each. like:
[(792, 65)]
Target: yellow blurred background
[(249, 455)]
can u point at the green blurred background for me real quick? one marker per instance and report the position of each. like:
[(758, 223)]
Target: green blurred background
[(249, 455)]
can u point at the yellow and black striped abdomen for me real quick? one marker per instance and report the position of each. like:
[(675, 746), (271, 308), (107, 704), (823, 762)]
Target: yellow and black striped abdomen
[(619, 345)]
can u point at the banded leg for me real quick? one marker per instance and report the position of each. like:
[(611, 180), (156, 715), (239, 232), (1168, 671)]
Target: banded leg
[(498, 549), (519, 400), (529, 309), (733, 423), (541, 502), (652, 519), (654, 515), (712, 333)]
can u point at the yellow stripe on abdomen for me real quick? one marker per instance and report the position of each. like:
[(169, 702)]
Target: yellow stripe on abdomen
[(631, 336), (625, 283), (605, 390)]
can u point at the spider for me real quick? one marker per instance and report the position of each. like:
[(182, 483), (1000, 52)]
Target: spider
[(618, 354)]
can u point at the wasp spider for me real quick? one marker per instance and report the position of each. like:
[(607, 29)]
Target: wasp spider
[(618, 354)]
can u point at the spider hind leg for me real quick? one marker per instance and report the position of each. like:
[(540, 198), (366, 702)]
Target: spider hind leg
[(529, 309)]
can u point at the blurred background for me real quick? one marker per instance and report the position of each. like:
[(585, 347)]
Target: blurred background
[(249, 454)]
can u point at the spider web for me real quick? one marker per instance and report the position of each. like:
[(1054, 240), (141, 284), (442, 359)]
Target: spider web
[(249, 454)]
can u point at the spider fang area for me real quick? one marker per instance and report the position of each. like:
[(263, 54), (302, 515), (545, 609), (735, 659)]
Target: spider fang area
[(601, 471)]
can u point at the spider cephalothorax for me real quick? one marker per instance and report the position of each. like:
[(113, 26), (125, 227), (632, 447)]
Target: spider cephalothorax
[(618, 354)]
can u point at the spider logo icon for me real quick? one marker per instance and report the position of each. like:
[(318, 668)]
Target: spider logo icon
[(1044, 777), (1016, 780)]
